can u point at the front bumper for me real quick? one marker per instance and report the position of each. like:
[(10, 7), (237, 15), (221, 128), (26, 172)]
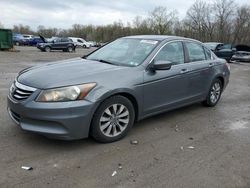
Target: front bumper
[(59, 120), (40, 47)]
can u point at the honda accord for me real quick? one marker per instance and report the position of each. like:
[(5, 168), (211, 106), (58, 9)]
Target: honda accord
[(102, 94)]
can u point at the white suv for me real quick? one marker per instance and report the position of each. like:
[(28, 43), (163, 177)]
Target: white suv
[(80, 42)]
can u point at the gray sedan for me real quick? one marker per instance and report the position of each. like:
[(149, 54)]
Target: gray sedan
[(104, 93)]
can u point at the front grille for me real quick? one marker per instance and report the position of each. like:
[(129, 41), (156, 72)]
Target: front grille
[(20, 91)]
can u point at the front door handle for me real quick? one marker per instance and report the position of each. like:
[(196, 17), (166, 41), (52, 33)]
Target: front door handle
[(210, 64), (184, 71)]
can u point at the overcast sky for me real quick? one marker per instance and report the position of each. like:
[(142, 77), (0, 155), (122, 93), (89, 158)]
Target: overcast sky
[(65, 13)]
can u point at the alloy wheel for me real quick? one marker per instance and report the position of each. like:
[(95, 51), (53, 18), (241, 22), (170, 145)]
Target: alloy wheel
[(114, 120), (70, 49), (215, 92)]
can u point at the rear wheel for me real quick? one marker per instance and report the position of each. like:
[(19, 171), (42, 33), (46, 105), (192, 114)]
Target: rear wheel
[(214, 93), (113, 119), (70, 49)]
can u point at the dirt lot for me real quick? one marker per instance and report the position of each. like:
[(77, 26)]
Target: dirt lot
[(220, 137)]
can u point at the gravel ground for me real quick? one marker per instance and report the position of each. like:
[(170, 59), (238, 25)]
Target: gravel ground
[(220, 139)]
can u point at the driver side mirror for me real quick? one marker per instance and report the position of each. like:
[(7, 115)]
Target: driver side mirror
[(161, 65)]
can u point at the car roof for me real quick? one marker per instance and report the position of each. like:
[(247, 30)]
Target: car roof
[(75, 38), (213, 43), (160, 37)]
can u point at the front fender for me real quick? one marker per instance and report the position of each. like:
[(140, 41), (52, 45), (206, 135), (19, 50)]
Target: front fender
[(98, 95)]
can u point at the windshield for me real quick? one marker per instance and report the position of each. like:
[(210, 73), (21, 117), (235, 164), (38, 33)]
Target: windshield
[(124, 52)]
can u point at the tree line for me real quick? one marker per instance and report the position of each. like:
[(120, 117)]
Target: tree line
[(221, 20)]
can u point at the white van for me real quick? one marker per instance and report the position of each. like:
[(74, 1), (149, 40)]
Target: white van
[(28, 36), (80, 42)]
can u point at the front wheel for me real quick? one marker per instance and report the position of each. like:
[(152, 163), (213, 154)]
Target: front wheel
[(113, 119), (214, 93)]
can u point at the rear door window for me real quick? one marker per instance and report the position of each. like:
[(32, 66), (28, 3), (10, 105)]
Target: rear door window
[(195, 52), (207, 53), (65, 40)]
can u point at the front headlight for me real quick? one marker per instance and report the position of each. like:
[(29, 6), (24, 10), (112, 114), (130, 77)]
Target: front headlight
[(69, 93)]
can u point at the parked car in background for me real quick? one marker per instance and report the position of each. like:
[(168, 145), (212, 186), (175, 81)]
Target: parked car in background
[(104, 93), (27, 39), (18, 39), (79, 42), (35, 40), (242, 54), (92, 43), (225, 51), (95, 44), (64, 44), (27, 36)]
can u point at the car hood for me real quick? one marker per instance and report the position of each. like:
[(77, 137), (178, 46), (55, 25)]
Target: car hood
[(42, 38), (69, 72), (242, 47)]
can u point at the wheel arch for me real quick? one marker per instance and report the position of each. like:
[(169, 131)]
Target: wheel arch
[(127, 93), (221, 78)]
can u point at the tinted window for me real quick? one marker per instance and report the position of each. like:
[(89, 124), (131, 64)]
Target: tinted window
[(195, 52), (65, 40), (78, 40), (225, 46), (172, 52), (207, 53)]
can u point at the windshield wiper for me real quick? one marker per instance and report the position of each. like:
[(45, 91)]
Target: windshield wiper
[(104, 61)]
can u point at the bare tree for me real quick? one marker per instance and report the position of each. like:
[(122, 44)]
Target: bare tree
[(23, 29), (141, 26), (242, 25), (224, 12), (200, 20), (47, 32), (161, 20), (221, 21)]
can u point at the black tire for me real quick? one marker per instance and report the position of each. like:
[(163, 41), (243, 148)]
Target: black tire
[(47, 49), (209, 100), (70, 49), (95, 130), (17, 44), (84, 46)]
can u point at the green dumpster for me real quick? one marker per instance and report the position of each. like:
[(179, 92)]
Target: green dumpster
[(5, 39)]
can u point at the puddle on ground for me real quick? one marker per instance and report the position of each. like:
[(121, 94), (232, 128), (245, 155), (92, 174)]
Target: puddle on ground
[(239, 125)]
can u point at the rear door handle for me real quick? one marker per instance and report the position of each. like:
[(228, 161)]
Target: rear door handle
[(184, 71)]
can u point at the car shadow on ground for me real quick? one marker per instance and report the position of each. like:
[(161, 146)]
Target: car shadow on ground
[(37, 140)]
